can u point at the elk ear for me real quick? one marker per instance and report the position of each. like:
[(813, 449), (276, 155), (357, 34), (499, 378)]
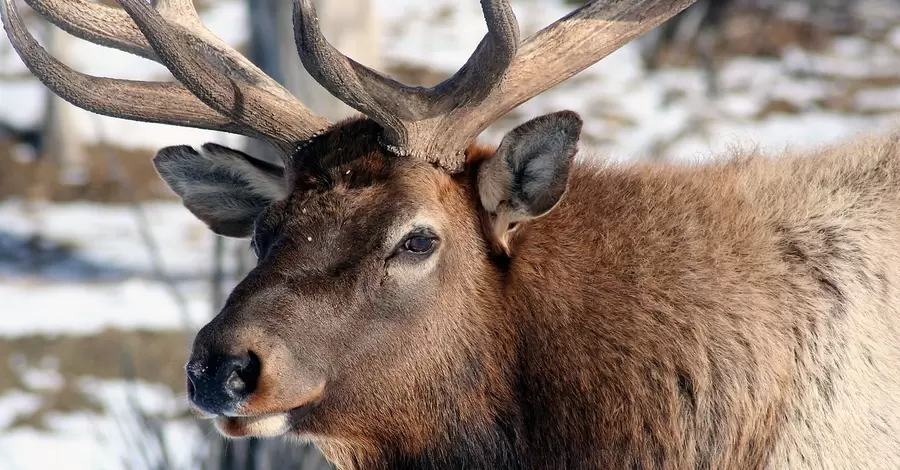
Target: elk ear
[(224, 188), (528, 174)]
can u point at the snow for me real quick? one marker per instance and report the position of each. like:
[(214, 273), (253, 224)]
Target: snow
[(85, 440), (16, 403), (878, 99), (111, 238), (109, 281), (851, 47), (44, 377), (90, 309), (102, 276)]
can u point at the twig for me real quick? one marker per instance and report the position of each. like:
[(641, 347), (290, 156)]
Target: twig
[(218, 274), (144, 230)]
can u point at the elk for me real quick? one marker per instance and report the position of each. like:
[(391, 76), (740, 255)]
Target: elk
[(425, 301)]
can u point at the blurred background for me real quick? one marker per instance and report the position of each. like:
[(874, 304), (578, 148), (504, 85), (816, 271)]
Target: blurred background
[(104, 276)]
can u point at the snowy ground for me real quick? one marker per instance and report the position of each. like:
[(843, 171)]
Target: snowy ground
[(99, 441), (104, 280), (87, 268)]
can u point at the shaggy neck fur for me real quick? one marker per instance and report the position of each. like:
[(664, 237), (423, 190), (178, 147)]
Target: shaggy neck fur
[(674, 317)]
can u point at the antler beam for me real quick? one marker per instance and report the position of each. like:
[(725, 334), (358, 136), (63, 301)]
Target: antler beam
[(135, 100), (219, 88), (559, 51)]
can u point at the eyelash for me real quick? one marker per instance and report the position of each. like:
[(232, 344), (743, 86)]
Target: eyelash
[(432, 242)]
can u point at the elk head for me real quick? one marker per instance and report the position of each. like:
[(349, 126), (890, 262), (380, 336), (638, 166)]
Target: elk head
[(376, 313)]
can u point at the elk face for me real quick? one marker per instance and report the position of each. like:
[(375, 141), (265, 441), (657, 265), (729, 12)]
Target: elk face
[(374, 297)]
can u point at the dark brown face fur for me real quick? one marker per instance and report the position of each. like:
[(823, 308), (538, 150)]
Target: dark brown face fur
[(359, 337)]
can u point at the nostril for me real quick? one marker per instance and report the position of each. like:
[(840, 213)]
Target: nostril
[(235, 384), (194, 374), (218, 383), (241, 375), (250, 373)]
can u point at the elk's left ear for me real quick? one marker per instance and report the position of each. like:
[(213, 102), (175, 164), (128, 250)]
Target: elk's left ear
[(528, 174)]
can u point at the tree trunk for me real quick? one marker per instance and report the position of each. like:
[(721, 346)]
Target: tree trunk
[(350, 25), (62, 137)]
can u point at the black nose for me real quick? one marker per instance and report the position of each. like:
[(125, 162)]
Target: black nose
[(218, 383)]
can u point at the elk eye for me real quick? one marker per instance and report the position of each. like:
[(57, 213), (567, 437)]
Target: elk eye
[(419, 244)]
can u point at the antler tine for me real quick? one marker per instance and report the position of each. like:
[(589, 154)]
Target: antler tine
[(247, 105), (113, 27), (182, 14), (181, 7), (133, 100), (438, 123), (397, 107), (486, 66), (559, 51), (220, 89), (356, 85), (97, 23)]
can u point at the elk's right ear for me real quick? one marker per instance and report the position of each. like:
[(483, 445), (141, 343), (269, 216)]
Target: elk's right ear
[(529, 172), (224, 188)]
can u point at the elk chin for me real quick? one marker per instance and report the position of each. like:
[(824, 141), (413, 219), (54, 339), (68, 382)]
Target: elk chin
[(259, 417), (269, 425)]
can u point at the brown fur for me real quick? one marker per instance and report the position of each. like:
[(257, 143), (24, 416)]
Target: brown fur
[(735, 315)]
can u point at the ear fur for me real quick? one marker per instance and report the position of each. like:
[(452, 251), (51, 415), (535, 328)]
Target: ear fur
[(528, 174), (225, 188)]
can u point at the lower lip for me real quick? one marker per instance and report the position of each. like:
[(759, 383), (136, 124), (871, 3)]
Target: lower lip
[(270, 425), (267, 425)]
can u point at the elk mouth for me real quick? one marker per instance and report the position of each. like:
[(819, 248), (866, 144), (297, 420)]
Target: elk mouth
[(261, 425), (265, 424)]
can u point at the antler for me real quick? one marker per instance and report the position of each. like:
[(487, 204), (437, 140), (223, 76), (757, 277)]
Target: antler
[(220, 89), (397, 107), (438, 123)]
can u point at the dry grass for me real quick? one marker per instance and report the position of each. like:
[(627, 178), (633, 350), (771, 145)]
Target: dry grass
[(149, 356), (41, 178)]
